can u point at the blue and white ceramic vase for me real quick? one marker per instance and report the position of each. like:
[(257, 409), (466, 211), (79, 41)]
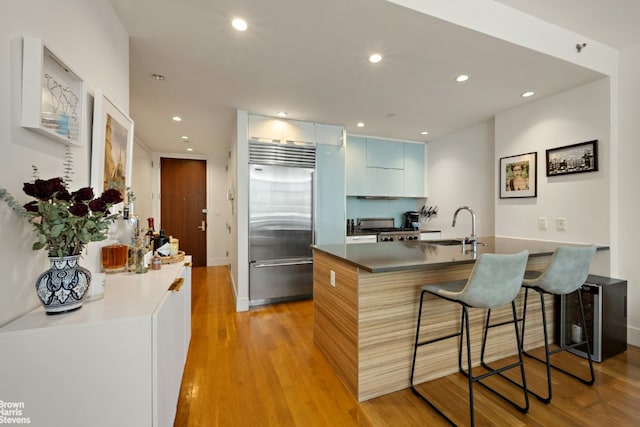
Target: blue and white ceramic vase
[(62, 288)]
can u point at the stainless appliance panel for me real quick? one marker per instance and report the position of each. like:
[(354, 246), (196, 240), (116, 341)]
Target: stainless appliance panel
[(280, 212), (280, 281)]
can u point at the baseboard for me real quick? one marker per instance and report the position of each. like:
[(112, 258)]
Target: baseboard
[(215, 262), (633, 336), (242, 304)]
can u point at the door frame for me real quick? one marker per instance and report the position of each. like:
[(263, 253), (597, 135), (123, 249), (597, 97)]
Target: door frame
[(155, 184)]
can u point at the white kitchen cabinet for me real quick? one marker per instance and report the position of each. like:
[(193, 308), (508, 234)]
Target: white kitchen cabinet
[(384, 182), (116, 361), (385, 154), (269, 129), (363, 238), (430, 235), (329, 134), (356, 165), (413, 170), (384, 168)]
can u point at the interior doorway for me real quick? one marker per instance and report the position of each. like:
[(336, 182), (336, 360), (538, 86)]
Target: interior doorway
[(183, 204)]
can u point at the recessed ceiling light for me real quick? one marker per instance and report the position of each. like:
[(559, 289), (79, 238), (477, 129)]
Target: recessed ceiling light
[(282, 114), (527, 94), (176, 118), (360, 125), (184, 138), (157, 76), (239, 24), (462, 78), (424, 132), (189, 149), (375, 58)]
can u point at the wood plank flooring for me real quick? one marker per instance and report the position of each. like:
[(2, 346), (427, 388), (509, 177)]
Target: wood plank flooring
[(261, 368)]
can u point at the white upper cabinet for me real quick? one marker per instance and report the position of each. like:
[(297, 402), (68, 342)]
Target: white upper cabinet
[(329, 134), (356, 169), (276, 130), (413, 170), (385, 154), (384, 168)]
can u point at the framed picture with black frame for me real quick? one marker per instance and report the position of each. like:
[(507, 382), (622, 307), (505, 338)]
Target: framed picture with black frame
[(518, 176), (575, 158)]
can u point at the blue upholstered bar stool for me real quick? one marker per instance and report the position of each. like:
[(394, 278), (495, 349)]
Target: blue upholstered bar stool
[(566, 272), (495, 281)]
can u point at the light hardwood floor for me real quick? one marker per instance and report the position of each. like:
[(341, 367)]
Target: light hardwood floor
[(261, 368)]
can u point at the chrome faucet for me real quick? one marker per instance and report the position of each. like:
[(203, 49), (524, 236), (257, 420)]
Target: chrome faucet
[(473, 238)]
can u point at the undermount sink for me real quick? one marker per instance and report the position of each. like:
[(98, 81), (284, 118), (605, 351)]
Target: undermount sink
[(450, 242)]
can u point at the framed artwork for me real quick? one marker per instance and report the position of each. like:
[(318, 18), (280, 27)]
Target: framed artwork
[(576, 158), (53, 96), (111, 147), (518, 176)]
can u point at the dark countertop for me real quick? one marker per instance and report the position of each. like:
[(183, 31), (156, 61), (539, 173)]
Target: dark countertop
[(397, 256)]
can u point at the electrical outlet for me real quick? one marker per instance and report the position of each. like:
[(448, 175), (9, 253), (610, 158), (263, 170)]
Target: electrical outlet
[(332, 278), (542, 222), (560, 223)]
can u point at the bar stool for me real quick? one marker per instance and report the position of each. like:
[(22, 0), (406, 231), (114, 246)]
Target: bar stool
[(566, 272), (495, 281)]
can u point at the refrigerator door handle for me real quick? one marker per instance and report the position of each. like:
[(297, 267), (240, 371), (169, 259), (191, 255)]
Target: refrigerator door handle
[(280, 264)]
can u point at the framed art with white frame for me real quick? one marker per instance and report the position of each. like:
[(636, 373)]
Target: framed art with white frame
[(111, 146), (518, 176), (53, 96)]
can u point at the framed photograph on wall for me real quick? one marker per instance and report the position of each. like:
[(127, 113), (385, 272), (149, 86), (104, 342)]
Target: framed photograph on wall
[(576, 158), (518, 176), (111, 147)]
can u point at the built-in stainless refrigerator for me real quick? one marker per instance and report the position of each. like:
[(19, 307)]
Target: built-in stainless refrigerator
[(280, 222)]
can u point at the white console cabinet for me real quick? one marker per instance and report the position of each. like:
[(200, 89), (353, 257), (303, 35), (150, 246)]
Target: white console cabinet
[(117, 361)]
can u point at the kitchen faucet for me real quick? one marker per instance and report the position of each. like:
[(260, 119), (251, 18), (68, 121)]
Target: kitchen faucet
[(473, 238)]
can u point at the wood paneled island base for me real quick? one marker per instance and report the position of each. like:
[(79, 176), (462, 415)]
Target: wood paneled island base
[(365, 324)]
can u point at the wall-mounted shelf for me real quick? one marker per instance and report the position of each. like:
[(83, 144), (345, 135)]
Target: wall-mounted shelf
[(53, 96)]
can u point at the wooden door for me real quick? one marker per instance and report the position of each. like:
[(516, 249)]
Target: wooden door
[(183, 197)]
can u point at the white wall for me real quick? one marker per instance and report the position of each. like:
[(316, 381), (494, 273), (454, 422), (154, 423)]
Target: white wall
[(460, 172), (571, 117), (89, 37), (628, 208), (504, 22), (141, 175), (218, 249), (240, 179)]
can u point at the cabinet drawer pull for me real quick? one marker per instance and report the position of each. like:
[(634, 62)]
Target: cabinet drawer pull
[(187, 264), (176, 285)]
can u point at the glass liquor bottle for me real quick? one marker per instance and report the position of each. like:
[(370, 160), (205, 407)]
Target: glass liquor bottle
[(114, 255)]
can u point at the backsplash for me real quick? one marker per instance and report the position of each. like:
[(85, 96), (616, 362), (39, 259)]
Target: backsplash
[(382, 208)]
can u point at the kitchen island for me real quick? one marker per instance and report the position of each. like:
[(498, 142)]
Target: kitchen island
[(366, 304)]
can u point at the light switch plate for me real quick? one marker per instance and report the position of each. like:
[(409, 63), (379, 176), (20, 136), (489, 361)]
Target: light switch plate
[(560, 223), (542, 223)]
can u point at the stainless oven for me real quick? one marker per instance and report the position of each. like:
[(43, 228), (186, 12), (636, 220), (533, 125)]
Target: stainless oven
[(385, 230)]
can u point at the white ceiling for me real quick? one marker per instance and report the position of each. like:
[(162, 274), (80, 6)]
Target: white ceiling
[(610, 22), (309, 58)]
